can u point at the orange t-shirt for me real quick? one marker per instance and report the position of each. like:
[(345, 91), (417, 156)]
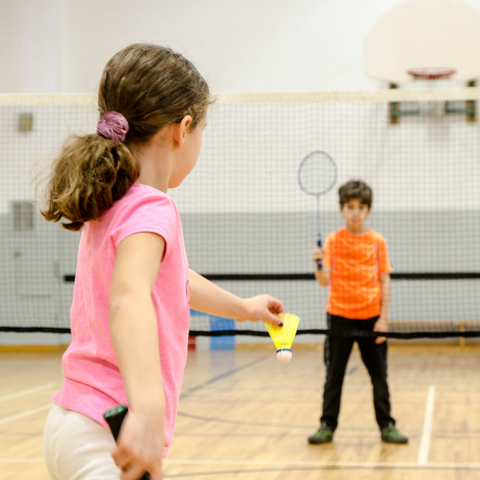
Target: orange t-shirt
[(357, 262)]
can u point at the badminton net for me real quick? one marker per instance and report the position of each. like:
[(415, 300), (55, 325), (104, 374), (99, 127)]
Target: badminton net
[(249, 227)]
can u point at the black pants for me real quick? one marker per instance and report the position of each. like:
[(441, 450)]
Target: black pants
[(337, 351)]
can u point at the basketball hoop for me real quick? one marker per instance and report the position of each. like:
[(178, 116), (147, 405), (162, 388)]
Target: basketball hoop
[(434, 77), (431, 73)]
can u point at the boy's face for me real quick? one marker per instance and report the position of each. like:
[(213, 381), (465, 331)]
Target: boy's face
[(355, 213)]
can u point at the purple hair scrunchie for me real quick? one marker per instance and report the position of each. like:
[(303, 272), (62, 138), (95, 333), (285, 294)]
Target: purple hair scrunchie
[(114, 126)]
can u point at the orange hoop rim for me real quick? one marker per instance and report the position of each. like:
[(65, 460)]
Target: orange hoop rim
[(431, 73)]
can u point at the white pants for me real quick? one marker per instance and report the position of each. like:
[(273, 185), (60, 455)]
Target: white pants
[(77, 448)]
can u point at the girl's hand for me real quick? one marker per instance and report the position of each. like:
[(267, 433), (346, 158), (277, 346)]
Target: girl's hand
[(140, 445), (262, 308), (381, 325), (317, 254)]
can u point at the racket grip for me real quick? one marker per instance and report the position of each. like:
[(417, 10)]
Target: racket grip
[(319, 262), (114, 417)]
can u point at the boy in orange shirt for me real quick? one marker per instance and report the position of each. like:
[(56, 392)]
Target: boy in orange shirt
[(356, 266)]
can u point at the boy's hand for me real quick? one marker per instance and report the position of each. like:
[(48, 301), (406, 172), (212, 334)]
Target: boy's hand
[(317, 254), (381, 325)]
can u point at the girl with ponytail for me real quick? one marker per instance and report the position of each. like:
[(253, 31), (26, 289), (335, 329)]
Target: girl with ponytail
[(133, 289)]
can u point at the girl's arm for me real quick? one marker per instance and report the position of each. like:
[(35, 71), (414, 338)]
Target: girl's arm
[(133, 327), (381, 324), (209, 298)]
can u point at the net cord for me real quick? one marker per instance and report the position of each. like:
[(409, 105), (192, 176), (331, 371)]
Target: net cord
[(386, 95), (397, 95)]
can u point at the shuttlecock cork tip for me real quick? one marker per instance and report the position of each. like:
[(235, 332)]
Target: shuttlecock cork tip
[(284, 355)]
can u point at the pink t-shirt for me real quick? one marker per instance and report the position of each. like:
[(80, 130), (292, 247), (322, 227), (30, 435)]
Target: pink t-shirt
[(93, 383)]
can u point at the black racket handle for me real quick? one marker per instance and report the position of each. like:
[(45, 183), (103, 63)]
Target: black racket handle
[(114, 417), (319, 262)]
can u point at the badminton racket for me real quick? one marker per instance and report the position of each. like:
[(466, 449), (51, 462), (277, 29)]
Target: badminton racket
[(114, 417), (317, 174)]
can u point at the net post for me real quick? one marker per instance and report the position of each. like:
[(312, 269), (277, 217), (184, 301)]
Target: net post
[(393, 108), (471, 105)]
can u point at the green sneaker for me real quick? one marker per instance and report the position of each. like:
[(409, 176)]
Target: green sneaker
[(392, 435), (323, 435)]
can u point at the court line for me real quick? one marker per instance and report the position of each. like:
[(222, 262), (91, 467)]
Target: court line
[(26, 392), (424, 449), (203, 418), (306, 463), (222, 376), (352, 371), (25, 414), (294, 467), (330, 466), (22, 460), (240, 422), (363, 465), (282, 465)]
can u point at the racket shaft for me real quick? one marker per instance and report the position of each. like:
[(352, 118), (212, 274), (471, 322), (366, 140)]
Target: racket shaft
[(114, 418)]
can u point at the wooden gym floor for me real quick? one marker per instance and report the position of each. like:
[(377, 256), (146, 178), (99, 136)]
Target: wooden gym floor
[(243, 415)]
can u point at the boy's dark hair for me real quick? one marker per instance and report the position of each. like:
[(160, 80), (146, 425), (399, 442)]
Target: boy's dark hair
[(355, 189)]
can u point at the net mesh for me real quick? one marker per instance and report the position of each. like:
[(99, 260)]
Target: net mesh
[(247, 224)]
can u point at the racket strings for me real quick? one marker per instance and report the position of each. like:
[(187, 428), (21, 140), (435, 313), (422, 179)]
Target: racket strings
[(317, 173)]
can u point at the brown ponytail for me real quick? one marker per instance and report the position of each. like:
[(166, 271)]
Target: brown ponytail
[(151, 86)]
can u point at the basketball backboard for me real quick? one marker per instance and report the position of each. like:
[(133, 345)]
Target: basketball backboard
[(424, 33)]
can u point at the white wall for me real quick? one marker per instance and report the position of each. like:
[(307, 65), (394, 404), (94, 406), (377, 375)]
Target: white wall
[(241, 46), (29, 46), (248, 45)]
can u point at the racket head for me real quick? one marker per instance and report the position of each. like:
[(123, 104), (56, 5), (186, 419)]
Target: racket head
[(317, 173)]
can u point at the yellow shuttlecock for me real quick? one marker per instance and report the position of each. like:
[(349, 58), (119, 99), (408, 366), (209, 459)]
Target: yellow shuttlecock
[(283, 336)]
